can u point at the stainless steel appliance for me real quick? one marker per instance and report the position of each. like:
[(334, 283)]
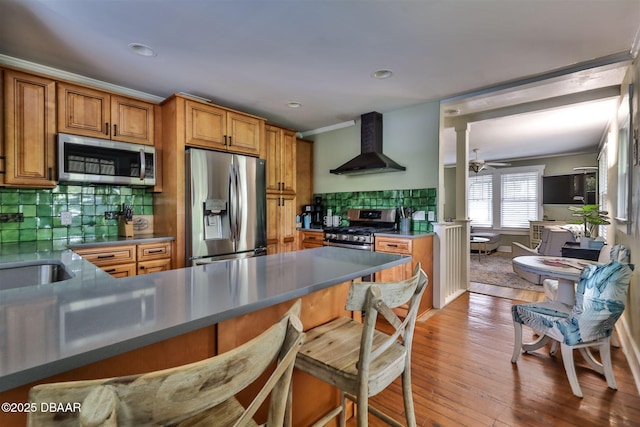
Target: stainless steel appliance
[(101, 161), (363, 224), (226, 206)]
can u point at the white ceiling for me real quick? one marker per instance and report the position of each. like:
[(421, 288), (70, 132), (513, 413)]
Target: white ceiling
[(257, 55)]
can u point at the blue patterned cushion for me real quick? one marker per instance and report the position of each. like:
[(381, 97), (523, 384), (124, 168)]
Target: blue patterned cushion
[(600, 298)]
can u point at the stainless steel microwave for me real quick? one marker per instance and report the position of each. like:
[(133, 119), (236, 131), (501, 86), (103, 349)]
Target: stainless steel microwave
[(101, 161)]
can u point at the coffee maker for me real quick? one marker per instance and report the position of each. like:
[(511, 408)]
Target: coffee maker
[(317, 212)]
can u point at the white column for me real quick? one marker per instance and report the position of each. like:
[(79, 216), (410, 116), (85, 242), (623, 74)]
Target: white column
[(462, 165)]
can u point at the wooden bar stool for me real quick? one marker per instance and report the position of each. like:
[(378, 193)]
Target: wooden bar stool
[(332, 354), (200, 393)]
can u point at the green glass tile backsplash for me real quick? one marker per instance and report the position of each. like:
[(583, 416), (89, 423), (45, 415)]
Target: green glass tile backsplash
[(41, 209), (422, 199)]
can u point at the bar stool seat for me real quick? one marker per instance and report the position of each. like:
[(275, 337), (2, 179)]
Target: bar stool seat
[(360, 360)]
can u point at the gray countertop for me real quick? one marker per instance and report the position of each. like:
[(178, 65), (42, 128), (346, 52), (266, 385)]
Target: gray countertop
[(94, 316)]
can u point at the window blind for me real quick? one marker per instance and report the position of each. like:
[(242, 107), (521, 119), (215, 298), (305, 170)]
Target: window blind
[(519, 202), (480, 200)]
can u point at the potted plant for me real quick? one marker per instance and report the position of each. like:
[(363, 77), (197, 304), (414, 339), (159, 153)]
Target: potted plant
[(591, 217)]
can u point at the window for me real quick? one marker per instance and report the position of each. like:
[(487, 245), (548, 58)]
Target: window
[(505, 198), (602, 186), (480, 204), (519, 203)]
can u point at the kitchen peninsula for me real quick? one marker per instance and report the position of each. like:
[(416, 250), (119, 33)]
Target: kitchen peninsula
[(98, 326)]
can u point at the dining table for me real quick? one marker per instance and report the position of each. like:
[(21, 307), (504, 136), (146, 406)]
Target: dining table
[(566, 270)]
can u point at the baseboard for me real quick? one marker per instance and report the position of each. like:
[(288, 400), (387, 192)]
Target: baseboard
[(504, 249), (630, 350)]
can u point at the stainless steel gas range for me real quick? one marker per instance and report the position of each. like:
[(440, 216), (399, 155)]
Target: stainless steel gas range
[(363, 224)]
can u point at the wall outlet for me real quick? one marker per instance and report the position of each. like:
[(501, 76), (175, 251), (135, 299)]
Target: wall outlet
[(431, 215), (66, 218)]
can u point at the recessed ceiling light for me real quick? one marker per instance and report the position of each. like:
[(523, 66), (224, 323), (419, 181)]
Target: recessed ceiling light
[(294, 104), (382, 74), (142, 49)]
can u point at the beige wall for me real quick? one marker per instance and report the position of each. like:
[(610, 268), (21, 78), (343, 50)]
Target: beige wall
[(631, 315), (410, 137)]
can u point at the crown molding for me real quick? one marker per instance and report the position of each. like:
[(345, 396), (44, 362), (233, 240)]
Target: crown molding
[(65, 75)]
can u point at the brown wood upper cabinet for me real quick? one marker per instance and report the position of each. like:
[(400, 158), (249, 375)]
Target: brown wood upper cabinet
[(91, 112), (28, 140), (216, 128), (281, 160)]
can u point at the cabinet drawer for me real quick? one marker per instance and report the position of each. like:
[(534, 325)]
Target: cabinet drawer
[(393, 245), (109, 255), (154, 266), (313, 237), (121, 270), (149, 251)]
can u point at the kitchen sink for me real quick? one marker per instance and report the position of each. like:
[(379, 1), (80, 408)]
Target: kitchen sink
[(31, 273)]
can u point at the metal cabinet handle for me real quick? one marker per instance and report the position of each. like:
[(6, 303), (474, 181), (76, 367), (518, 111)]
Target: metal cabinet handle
[(106, 256), (143, 164), (106, 128), (230, 140), (115, 130)]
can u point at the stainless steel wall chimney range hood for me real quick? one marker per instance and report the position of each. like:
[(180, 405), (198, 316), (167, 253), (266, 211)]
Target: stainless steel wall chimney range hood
[(371, 159)]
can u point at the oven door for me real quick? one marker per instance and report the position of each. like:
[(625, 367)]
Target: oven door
[(360, 247)]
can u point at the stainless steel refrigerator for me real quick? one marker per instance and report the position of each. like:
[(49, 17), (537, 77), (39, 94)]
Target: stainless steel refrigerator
[(226, 206)]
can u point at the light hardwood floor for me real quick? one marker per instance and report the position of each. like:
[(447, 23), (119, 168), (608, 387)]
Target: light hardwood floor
[(463, 375)]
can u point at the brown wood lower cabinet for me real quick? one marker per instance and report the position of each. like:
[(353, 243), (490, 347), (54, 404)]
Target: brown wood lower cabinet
[(121, 270), (154, 257), (117, 260), (128, 260), (421, 250), (310, 239)]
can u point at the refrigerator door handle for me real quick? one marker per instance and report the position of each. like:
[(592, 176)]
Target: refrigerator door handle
[(239, 212), (232, 203)]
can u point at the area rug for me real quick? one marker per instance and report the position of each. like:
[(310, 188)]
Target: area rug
[(497, 269)]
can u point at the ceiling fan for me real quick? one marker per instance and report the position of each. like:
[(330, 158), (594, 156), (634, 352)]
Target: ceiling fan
[(476, 165)]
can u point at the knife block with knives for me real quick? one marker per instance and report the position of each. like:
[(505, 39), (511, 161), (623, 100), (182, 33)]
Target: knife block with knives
[(125, 221)]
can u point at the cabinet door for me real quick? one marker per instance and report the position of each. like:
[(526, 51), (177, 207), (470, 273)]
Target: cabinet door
[(132, 120), (395, 274), (83, 111), (394, 246), (154, 266), (287, 224), (288, 162), (30, 126), (120, 270), (273, 211), (271, 140), (244, 133), (205, 126), (281, 223)]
